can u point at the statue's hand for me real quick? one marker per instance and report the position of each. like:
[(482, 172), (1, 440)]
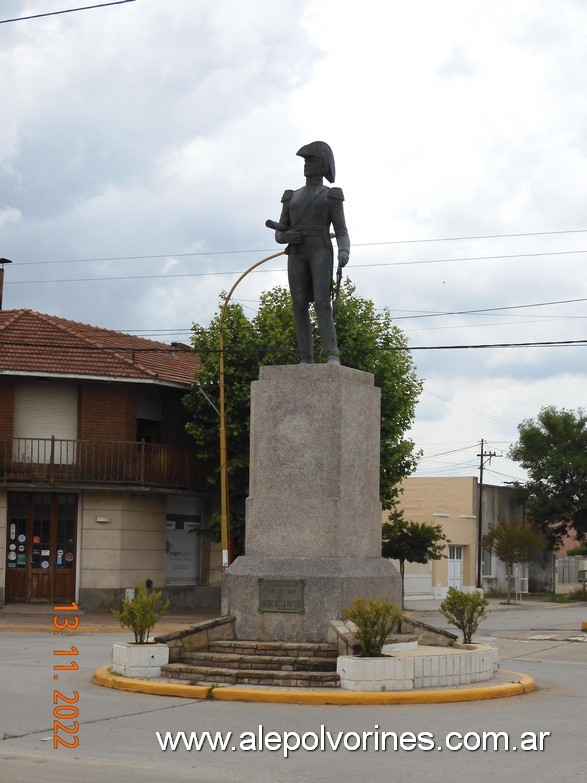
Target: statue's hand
[(343, 257), (292, 237)]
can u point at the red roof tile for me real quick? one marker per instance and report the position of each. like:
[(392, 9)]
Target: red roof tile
[(33, 342)]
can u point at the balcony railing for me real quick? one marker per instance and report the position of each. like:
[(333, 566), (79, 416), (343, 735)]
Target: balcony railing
[(57, 461)]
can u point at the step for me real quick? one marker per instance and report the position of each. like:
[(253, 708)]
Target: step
[(288, 649), (198, 675), (226, 660)]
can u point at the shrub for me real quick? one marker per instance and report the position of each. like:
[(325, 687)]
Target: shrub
[(465, 611), (141, 612), (375, 620)]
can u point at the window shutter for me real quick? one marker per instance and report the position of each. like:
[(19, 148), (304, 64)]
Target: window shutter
[(42, 411)]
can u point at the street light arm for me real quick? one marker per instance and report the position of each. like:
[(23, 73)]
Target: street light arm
[(224, 521)]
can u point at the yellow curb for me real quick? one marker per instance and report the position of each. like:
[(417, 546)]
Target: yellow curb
[(523, 684), (105, 678)]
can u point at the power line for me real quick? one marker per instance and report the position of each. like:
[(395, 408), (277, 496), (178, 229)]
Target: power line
[(264, 250), (490, 309), (473, 258), (485, 236), (537, 344), (453, 451), (66, 11), (282, 269), (278, 349)]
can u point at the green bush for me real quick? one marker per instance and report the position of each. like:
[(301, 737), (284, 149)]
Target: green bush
[(465, 611), (375, 620), (141, 612)]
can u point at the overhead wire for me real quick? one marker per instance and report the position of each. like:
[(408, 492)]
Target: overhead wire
[(66, 11), (377, 264), (356, 267), (278, 349), (262, 250)]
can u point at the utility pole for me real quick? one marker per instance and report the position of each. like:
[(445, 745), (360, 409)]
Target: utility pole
[(483, 456)]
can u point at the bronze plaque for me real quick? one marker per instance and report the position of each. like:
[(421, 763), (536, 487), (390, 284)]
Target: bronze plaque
[(281, 595)]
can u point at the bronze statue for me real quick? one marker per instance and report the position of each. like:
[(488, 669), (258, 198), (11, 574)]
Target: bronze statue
[(304, 225)]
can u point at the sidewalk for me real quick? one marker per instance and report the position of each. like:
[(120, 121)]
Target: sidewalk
[(39, 617), (495, 604), (35, 617)]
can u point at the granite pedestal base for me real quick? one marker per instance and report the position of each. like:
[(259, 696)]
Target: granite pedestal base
[(329, 585), (313, 512)]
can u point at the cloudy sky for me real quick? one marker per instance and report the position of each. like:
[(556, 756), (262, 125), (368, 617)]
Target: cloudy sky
[(143, 145)]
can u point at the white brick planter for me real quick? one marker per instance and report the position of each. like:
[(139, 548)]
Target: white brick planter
[(139, 660), (424, 667)]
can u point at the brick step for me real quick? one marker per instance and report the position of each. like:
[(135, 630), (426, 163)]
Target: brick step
[(209, 675), (226, 660), (289, 649)]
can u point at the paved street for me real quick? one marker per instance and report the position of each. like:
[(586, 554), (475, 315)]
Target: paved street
[(117, 740)]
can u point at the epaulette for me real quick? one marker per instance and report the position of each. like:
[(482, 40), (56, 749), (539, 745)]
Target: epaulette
[(336, 193), (287, 194)]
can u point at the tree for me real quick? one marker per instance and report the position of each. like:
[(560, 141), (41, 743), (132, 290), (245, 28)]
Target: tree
[(415, 542), (142, 612), (375, 619), (513, 541), (368, 341), (465, 611), (553, 451)]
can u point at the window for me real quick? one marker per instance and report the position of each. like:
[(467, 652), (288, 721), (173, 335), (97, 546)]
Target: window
[(486, 562)]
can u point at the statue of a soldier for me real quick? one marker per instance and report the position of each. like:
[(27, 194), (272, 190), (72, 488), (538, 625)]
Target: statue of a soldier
[(304, 225)]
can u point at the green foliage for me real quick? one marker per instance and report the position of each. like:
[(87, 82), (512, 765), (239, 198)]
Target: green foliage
[(415, 542), (142, 612), (578, 550), (576, 595), (375, 620), (553, 450), (368, 341), (465, 611), (242, 356), (513, 541)]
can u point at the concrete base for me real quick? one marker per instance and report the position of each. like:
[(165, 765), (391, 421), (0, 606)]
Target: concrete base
[(139, 660), (330, 585)]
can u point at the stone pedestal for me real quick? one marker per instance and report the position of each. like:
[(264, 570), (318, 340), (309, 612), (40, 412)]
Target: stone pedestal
[(313, 512)]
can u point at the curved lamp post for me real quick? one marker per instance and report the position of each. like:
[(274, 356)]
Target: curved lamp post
[(224, 522)]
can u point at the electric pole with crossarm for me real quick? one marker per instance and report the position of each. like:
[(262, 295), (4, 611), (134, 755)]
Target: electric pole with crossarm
[(484, 456)]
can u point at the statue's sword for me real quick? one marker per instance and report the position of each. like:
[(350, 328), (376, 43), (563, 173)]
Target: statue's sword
[(336, 290)]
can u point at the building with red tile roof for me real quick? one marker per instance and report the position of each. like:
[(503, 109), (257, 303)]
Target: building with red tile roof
[(100, 489), (41, 344)]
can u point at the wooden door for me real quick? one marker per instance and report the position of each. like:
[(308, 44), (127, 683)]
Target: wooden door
[(41, 547)]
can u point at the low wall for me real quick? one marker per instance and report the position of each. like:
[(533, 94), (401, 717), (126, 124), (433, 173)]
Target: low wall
[(197, 637), (341, 634), (424, 667)]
